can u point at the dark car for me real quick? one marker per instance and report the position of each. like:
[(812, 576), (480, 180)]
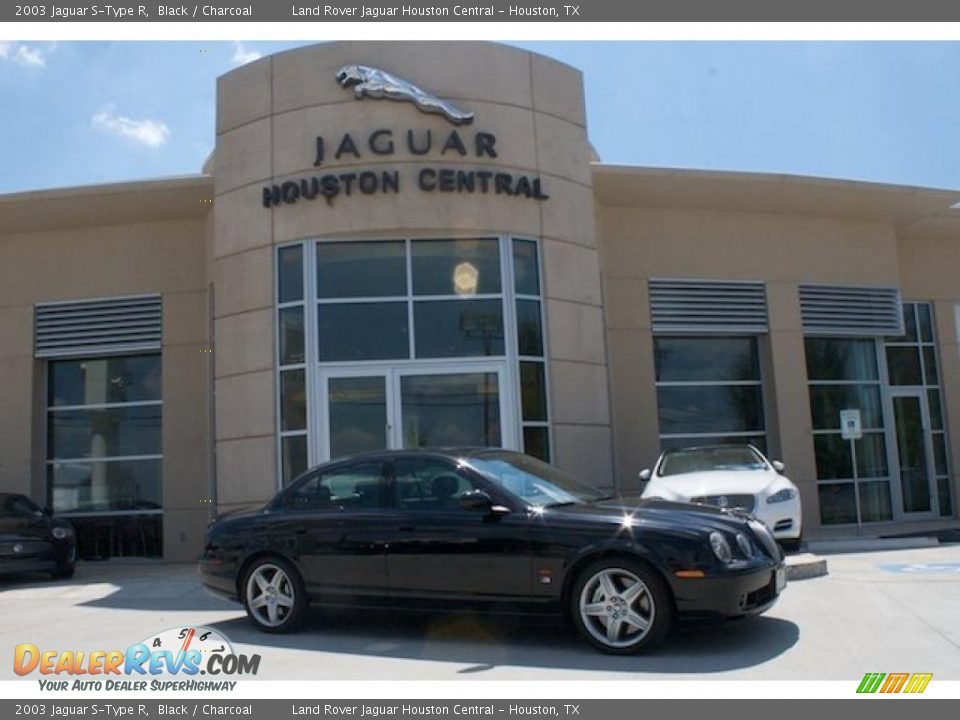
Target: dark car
[(33, 540), (490, 530)]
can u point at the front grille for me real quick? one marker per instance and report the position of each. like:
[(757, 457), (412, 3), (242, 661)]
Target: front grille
[(27, 547), (746, 502), (761, 596)]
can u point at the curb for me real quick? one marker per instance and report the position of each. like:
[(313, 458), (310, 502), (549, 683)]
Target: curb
[(804, 566), (851, 545)]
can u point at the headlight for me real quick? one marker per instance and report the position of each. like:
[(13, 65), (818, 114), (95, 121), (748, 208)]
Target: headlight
[(745, 547), (782, 496), (61, 533), (721, 548)]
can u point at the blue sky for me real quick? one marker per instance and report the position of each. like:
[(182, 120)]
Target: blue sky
[(88, 112)]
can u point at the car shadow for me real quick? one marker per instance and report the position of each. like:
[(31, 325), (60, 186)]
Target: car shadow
[(484, 642), (136, 585)]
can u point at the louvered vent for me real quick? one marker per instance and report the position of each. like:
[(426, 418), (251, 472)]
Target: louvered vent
[(708, 306), (855, 311), (98, 327)]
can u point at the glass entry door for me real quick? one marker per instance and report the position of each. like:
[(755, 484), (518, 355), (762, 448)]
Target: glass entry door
[(413, 407), (913, 453)]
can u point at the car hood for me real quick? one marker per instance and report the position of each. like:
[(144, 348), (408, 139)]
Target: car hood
[(644, 511), (717, 482)]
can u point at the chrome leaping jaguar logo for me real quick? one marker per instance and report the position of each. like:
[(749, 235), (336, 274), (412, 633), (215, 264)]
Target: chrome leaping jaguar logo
[(375, 83)]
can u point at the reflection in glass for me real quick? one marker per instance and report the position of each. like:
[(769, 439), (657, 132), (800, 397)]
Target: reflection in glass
[(838, 504), (363, 331), (912, 455), (529, 332), (526, 267), (290, 273), (536, 442), (930, 366), (939, 452), (826, 402), (361, 269), (294, 457), (903, 364), (943, 493), (875, 505), (834, 461), (456, 410), (936, 414), (841, 359), (291, 336), (458, 328), (358, 415), (95, 381), (685, 359), (678, 443), (106, 486), (436, 264), (710, 409), (105, 432), (533, 391), (925, 323), (293, 400)]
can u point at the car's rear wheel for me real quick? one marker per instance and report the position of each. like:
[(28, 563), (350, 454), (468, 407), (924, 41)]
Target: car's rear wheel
[(621, 605), (273, 595)]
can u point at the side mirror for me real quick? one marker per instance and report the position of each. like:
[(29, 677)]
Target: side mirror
[(645, 475), (778, 466), (476, 500)]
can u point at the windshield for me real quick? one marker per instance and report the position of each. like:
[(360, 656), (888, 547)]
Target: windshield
[(535, 482), (706, 459)]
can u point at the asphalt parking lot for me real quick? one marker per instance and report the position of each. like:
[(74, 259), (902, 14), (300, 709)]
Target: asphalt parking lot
[(877, 611)]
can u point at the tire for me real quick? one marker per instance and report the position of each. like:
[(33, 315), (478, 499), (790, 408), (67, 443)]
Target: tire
[(64, 571), (277, 610), (638, 592)]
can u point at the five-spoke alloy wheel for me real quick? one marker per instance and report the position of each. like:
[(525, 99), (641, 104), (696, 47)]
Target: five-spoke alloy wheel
[(621, 606), (273, 595)]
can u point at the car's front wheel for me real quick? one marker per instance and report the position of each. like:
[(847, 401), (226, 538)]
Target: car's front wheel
[(273, 595), (621, 606)]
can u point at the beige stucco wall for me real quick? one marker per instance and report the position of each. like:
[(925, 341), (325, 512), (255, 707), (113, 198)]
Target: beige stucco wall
[(780, 249), (268, 115), (89, 261)]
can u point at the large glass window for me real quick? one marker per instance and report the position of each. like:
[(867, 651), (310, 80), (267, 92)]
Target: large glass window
[(912, 361), (392, 305), (709, 390), (844, 374), (292, 362), (104, 451), (534, 403)]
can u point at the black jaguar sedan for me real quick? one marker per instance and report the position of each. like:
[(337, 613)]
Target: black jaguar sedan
[(33, 540), (489, 530)]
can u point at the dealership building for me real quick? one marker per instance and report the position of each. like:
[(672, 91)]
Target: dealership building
[(408, 245)]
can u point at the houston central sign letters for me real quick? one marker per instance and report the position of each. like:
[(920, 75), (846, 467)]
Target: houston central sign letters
[(440, 179)]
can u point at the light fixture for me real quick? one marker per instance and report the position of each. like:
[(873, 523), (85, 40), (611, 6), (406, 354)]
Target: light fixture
[(465, 279)]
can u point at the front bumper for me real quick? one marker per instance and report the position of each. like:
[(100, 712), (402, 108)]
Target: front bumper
[(783, 518), (731, 594)]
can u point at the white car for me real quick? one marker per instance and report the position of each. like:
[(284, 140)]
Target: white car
[(730, 476)]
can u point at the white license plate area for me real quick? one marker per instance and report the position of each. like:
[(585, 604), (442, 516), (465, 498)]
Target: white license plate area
[(781, 578)]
